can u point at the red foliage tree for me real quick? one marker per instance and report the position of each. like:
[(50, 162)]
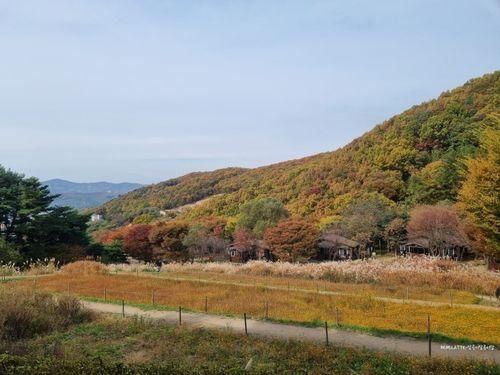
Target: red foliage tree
[(243, 239), (136, 242), (167, 240), (292, 239)]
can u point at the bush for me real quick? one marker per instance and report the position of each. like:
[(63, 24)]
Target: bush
[(24, 315)]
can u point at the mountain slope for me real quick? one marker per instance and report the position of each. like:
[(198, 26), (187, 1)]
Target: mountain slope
[(414, 157), (86, 195)]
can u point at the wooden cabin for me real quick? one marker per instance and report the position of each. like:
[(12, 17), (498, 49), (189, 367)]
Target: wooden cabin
[(335, 247), (415, 246), (453, 249), (256, 251)]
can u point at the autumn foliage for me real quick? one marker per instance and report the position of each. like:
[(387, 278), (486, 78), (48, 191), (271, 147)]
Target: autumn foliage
[(440, 225), (412, 157), (293, 239), (479, 196)]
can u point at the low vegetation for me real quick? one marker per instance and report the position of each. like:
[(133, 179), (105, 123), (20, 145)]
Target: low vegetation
[(24, 314), (356, 310), (132, 346)]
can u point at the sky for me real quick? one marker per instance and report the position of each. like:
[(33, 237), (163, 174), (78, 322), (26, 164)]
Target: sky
[(146, 90)]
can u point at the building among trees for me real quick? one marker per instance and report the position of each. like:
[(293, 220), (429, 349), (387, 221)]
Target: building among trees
[(335, 247)]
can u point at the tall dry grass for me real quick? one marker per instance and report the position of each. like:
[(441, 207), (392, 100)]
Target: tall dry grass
[(422, 271), (30, 267), (84, 267)]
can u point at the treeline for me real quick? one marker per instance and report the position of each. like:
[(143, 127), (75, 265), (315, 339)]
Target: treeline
[(372, 220)]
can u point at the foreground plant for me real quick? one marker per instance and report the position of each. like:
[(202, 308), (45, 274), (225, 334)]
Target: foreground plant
[(24, 314)]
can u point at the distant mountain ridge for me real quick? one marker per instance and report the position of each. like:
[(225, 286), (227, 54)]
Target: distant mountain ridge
[(415, 157), (87, 194)]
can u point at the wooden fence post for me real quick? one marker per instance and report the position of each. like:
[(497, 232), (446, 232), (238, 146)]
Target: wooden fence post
[(105, 295), (153, 297), (429, 335), (326, 333), (180, 315), (123, 308), (206, 304), (245, 319), (337, 316)]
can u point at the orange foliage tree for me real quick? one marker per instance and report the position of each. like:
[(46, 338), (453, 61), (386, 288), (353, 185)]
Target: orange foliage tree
[(136, 242), (440, 225), (167, 239), (293, 239)]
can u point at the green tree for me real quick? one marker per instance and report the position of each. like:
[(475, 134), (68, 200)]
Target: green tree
[(365, 218), (429, 185), (196, 241), (31, 226), (8, 253), (113, 253), (259, 214)]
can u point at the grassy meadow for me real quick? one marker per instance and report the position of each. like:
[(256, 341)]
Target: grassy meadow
[(358, 310), (131, 346)]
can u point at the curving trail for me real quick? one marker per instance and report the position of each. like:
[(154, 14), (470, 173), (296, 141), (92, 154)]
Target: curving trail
[(401, 345)]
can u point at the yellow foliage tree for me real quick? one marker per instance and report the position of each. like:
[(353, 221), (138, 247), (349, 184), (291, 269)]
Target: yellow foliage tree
[(479, 195)]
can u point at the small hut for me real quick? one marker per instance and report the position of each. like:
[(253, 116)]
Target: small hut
[(448, 248), (335, 247), (415, 246), (258, 250)]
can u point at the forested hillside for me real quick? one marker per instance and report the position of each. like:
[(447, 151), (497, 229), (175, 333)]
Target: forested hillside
[(413, 158)]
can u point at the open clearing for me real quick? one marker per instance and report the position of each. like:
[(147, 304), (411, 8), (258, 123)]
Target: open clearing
[(362, 310)]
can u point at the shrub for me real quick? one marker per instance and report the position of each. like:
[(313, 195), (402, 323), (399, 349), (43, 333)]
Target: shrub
[(24, 315)]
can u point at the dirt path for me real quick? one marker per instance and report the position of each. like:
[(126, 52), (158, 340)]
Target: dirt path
[(286, 332), (325, 292)]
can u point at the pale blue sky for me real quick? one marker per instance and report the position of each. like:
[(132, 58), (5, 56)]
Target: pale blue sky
[(146, 90)]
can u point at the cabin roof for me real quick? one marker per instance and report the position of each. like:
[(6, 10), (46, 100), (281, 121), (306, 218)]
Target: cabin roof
[(418, 241), (425, 243), (329, 240)]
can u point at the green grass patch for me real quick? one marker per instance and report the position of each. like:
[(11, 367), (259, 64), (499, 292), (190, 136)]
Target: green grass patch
[(135, 346), (437, 337)]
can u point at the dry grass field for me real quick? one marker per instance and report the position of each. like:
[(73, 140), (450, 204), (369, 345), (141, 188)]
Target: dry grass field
[(399, 292), (360, 309), (415, 271)]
